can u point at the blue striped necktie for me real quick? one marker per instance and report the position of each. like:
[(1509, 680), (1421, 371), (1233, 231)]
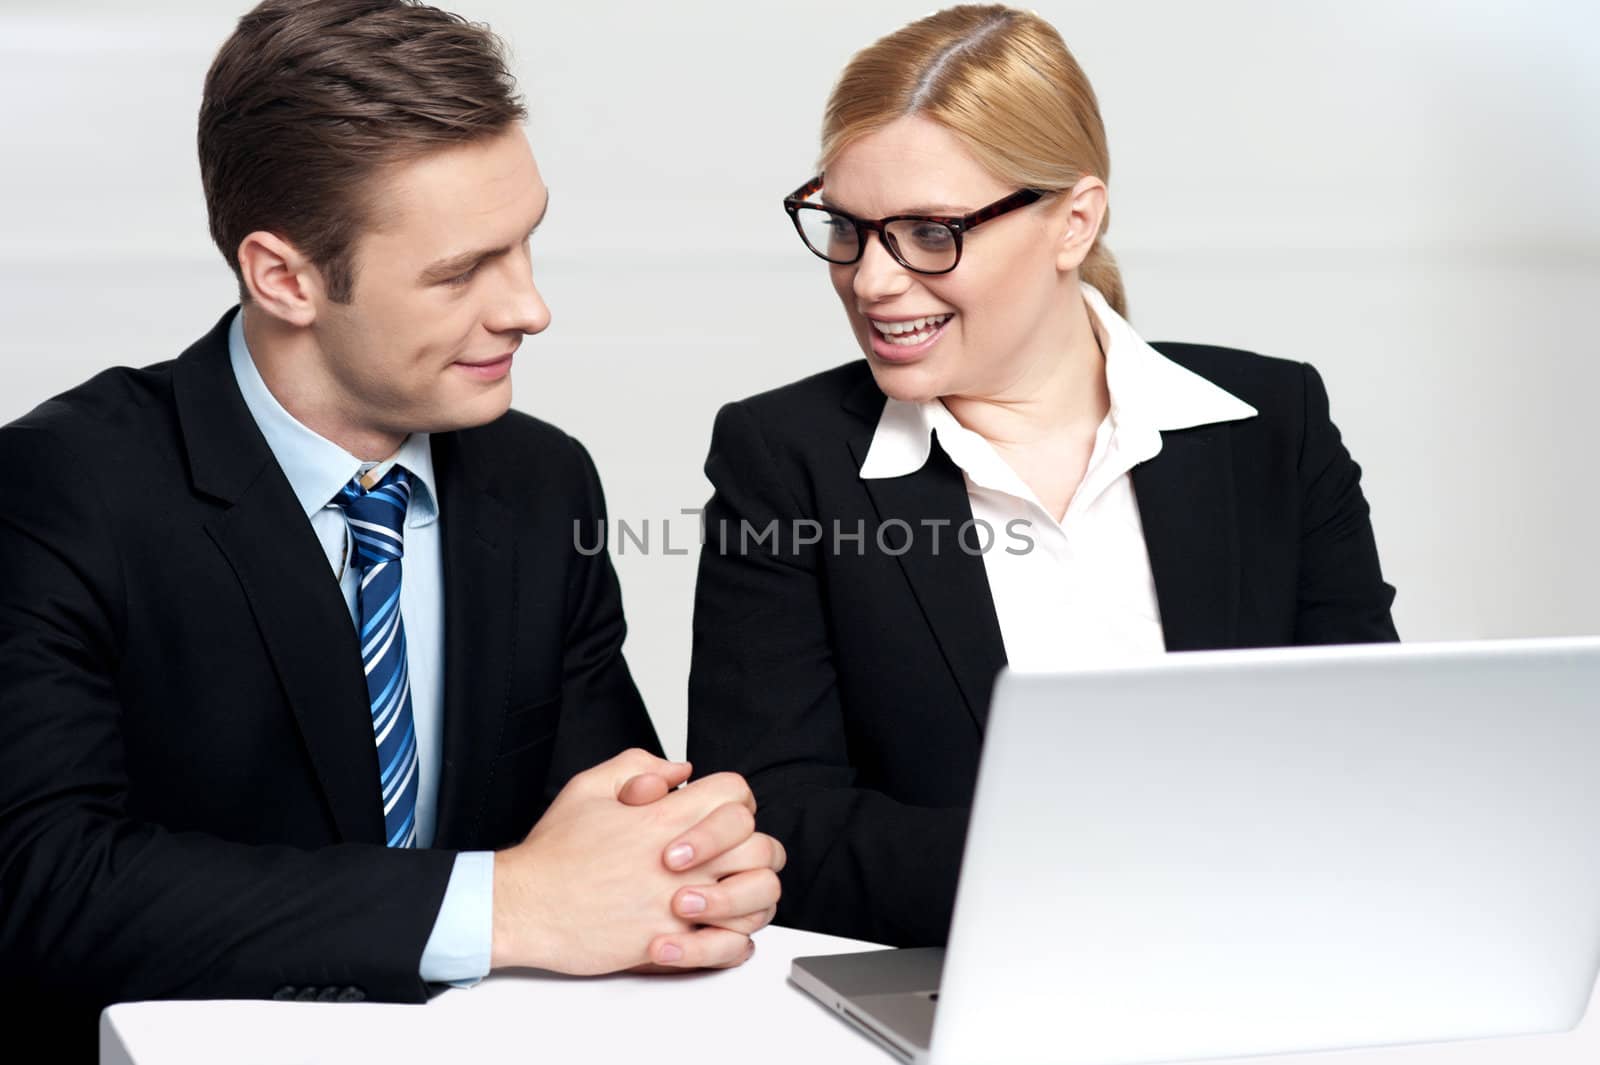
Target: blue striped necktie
[(377, 522)]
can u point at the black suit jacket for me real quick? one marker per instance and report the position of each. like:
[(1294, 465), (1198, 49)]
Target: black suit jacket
[(189, 803), (850, 686)]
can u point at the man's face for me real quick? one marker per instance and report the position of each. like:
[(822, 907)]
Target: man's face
[(443, 291)]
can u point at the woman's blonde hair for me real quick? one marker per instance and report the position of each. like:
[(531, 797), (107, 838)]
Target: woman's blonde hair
[(1004, 83)]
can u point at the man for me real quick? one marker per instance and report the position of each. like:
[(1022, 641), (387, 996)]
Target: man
[(295, 643)]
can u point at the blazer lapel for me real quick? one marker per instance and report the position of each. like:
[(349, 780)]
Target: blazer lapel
[(480, 570), (1186, 503), (950, 585), (285, 578), (306, 626)]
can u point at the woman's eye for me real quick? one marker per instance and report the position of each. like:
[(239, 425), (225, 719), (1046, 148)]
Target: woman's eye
[(932, 236)]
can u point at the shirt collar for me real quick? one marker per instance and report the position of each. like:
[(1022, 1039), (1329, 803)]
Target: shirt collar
[(1150, 394), (315, 466)]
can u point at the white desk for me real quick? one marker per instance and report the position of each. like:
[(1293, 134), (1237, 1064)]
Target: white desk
[(538, 1019)]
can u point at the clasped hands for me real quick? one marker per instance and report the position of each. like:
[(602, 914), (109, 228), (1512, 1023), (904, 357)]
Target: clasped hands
[(627, 870)]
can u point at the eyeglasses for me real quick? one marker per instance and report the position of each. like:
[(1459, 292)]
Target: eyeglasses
[(926, 244)]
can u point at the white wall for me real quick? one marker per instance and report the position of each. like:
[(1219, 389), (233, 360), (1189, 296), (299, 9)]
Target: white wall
[(1403, 193)]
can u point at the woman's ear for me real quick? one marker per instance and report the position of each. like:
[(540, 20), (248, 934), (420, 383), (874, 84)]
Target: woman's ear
[(1083, 216)]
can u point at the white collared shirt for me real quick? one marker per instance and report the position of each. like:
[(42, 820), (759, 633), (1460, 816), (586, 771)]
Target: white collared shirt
[(1078, 591)]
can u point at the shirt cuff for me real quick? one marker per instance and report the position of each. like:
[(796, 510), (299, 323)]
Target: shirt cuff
[(463, 934)]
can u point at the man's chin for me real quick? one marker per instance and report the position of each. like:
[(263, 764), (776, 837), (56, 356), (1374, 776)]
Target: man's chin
[(469, 412)]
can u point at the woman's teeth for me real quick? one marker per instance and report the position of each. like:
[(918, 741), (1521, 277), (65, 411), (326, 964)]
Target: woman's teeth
[(910, 333)]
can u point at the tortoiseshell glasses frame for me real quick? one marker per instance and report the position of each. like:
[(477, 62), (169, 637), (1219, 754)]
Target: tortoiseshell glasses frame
[(957, 226)]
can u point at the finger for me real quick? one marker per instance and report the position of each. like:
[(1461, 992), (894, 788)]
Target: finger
[(704, 948), (749, 924), (634, 762), (760, 851), (736, 896), (718, 832), (647, 788), (720, 788)]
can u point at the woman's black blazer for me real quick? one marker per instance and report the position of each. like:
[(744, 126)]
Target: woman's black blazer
[(849, 684)]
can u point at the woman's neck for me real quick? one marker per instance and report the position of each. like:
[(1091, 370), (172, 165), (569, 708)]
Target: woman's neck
[(1057, 396)]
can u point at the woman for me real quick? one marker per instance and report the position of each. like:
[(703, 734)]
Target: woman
[(1011, 475)]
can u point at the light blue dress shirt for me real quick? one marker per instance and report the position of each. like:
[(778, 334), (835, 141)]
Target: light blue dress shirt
[(458, 948)]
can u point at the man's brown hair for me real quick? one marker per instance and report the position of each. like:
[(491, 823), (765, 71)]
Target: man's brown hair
[(308, 99)]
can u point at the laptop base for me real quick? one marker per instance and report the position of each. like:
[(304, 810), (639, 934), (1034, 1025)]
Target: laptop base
[(888, 994)]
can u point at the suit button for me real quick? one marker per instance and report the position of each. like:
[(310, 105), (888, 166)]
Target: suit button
[(284, 994), (352, 994), (328, 994), (306, 994)]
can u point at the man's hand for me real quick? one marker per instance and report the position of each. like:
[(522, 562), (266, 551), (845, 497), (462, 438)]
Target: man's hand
[(744, 864), (588, 891)]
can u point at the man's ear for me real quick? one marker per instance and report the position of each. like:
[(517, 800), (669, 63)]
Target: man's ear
[(1084, 212), (280, 280)]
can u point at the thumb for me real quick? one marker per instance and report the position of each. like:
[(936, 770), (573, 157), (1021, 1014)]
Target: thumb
[(647, 788)]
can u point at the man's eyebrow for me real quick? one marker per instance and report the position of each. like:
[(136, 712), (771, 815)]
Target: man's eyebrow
[(444, 269)]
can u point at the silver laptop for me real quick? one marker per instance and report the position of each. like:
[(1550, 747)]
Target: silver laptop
[(1229, 853)]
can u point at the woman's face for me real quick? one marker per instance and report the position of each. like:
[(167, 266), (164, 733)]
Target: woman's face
[(999, 316)]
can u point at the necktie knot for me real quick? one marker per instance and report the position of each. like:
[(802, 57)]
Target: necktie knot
[(377, 517)]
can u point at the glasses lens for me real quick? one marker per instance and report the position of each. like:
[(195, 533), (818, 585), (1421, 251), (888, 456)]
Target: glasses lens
[(927, 246), (829, 235)]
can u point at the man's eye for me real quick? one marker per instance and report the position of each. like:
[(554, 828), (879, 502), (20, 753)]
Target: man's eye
[(461, 280)]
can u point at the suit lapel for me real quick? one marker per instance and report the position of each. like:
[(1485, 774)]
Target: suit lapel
[(950, 585), (284, 575), (306, 626), (480, 570), (1186, 503)]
